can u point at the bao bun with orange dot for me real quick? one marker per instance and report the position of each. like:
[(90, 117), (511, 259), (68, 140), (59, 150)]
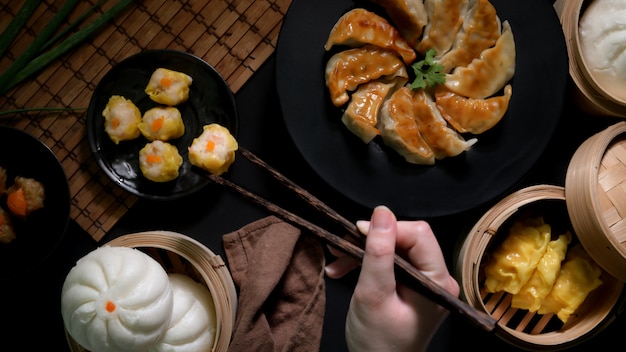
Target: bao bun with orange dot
[(116, 299)]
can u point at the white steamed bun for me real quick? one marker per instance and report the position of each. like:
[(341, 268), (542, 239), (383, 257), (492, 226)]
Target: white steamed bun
[(193, 324), (116, 299)]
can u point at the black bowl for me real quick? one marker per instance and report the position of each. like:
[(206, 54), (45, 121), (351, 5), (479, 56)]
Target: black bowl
[(39, 234)]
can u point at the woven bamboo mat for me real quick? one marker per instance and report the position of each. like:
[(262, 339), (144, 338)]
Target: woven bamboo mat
[(234, 36)]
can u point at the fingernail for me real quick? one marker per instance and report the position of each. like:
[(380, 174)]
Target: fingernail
[(382, 218), (363, 226)]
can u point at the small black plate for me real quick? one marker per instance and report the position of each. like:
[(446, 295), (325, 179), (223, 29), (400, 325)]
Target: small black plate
[(38, 235), (373, 174), (210, 101)]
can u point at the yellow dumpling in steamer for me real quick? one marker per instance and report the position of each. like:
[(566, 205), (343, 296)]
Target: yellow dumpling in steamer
[(121, 119), (579, 275), (168, 87), (514, 261), (163, 123), (160, 161), (540, 283), (214, 150)]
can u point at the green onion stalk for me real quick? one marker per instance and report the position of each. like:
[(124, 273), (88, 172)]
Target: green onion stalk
[(45, 48)]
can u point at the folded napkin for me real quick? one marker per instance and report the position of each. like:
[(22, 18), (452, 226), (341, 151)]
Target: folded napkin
[(280, 276)]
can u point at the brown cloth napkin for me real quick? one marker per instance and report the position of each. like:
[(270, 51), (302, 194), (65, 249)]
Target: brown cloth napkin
[(282, 297)]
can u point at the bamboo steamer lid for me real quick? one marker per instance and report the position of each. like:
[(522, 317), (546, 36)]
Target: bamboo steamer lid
[(596, 197), (587, 93), (519, 327), (179, 253)]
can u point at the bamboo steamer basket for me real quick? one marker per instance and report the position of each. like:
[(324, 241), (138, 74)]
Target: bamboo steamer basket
[(178, 253), (592, 206), (588, 94)]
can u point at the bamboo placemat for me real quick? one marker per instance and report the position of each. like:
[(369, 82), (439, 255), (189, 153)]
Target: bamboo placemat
[(234, 36)]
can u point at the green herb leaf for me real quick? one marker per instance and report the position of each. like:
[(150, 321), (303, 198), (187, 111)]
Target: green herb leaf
[(427, 72)]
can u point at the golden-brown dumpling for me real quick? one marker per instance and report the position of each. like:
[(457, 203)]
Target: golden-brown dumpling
[(443, 140), (160, 161), (480, 30), (486, 75), (400, 131), (359, 26), (347, 69), (472, 115), (163, 123), (214, 149), (168, 87), (361, 115), (445, 20), (121, 119), (540, 283), (515, 259), (579, 276), (409, 16)]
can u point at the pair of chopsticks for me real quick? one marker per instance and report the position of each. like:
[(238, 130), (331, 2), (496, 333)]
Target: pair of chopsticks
[(405, 272)]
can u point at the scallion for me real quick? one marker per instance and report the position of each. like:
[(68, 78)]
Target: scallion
[(38, 42), (46, 58), (17, 111), (20, 19), (63, 33)]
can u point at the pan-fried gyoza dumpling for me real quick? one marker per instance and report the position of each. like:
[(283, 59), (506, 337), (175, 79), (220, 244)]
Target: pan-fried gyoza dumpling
[(472, 115), (480, 30), (361, 115), (445, 20), (443, 140), (359, 27), (487, 74), (399, 129), (409, 16), (347, 69)]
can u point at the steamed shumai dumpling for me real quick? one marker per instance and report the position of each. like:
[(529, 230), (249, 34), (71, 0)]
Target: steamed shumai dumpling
[(163, 123), (214, 150), (194, 320), (116, 299), (160, 161), (121, 119), (168, 87)]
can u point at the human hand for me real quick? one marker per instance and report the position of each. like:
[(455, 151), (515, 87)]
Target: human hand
[(384, 315)]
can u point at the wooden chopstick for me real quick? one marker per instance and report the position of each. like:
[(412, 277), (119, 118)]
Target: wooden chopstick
[(304, 194), (405, 272)]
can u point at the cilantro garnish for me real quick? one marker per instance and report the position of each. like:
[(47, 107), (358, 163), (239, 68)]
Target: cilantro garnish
[(427, 72)]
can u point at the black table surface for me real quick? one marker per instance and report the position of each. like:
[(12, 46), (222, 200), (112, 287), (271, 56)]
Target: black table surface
[(31, 304)]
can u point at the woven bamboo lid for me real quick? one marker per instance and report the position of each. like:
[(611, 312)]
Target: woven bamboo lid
[(596, 197), (588, 93), (178, 253)]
